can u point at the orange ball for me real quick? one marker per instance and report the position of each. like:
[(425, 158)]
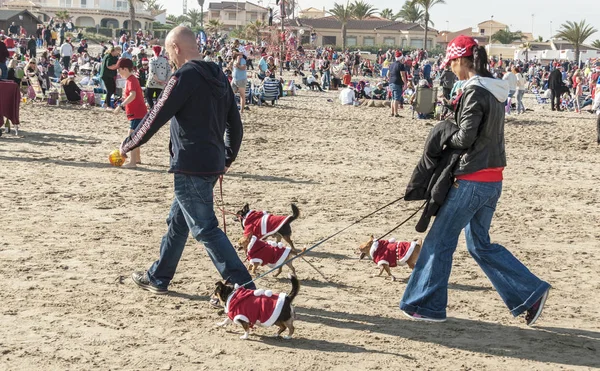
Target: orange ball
[(115, 158)]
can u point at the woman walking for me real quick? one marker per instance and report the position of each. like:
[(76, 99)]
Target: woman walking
[(158, 75), (521, 89), (472, 200)]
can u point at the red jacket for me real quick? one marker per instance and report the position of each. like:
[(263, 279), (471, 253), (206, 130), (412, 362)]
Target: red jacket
[(391, 252), (262, 224), (254, 306), (267, 253)]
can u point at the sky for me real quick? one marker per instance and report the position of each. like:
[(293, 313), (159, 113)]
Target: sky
[(548, 15)]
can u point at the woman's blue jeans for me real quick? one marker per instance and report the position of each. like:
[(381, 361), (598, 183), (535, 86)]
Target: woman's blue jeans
[(192, 210), (469, 206)]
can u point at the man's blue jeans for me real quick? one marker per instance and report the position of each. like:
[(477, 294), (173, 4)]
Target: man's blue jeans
[(469, 205), (327, 83), (3, 71), (192, 210)]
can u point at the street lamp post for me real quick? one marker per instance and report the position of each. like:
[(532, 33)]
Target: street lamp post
[(491, 31)]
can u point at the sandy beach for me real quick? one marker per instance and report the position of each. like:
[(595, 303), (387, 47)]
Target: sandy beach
[(74, 228)]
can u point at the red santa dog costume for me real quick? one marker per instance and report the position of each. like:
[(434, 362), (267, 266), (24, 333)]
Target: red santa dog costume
[(267, 253), (254, 306), (390, 252), (262, 224)]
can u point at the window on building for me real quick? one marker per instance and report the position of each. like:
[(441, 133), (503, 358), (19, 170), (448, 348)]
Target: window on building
[(253, 17), (122, 5), (351, 41), (84, 3), (391, 41), (429, 44), (482, 32), (368, 41), (214, 14), (231, 16), (329, 40), (403, 42), (305, 39), (416, 43), (65, 3)]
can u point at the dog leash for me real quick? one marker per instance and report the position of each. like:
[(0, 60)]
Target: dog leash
[(337, 233)]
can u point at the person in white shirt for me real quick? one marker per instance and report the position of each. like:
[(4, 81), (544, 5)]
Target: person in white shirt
[(347, 96), (66, 52), (311, 82), (512, 87), (521, 89)]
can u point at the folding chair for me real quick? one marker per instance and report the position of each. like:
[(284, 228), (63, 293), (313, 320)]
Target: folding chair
[(425, 100)]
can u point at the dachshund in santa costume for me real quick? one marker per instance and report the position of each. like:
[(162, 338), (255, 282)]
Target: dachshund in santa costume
[(259, 252), (391, 253), (262, 224), (258, 307)]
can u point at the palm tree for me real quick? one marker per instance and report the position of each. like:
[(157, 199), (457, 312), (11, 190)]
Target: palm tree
[(132, 4), (193, 18), (342, 14), (507, 37), (596, 44), (576, 34), (527, 47), (214, 26), (410, 13), (253, 30), (153, 5), (201, 3), (426, 5), (388, 13), (62, 15), (362, 10)]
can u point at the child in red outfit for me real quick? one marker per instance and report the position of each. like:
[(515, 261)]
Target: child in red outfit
[(133, 105)]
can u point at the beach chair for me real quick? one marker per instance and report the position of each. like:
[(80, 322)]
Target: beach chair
[(289, 88), (35, 92), (538, 96), (425, 100)]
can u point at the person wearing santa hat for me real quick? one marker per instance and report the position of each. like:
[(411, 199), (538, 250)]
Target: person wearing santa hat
[(397, 79), (158, 75), (72, 91), (472, 199)]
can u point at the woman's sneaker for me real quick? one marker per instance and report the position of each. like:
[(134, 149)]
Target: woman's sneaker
[(536, 309), (418, 317), (141, 279)]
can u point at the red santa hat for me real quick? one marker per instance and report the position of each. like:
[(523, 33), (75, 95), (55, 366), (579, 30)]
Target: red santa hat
[(157, 49), (71, 74), (144, 60)]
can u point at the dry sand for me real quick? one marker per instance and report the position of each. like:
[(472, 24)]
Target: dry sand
[(74, 228)]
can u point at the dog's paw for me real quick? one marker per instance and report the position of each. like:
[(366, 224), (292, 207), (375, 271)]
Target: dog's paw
[(277, 336), (287, 337), (393, 278), (244, 337)]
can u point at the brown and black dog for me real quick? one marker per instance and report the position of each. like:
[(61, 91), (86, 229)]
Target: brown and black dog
[(262, 224), (262, 307), (260, 253), (390, 253)]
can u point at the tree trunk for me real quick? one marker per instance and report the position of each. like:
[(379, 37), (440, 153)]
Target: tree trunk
[(131, 20), (343, 37), (577, 55), (202, 16), (426, 28)]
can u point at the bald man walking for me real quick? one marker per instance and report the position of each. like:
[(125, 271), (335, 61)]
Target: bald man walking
[(206, 134)]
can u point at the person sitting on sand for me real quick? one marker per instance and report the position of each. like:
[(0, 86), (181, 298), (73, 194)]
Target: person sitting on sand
[(379, 92), (347, 96), (72, 91)]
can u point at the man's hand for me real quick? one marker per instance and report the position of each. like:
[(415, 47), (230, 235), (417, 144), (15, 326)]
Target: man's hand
[(116, 110), (123, 153)]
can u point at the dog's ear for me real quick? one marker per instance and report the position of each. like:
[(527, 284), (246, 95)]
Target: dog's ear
[(372, 238), (246, 208)]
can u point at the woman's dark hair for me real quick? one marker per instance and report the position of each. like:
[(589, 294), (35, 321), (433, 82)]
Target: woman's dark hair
[(480, 62)]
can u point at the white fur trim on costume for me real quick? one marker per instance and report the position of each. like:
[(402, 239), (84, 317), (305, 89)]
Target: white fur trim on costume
[(374, 247), (382, 262), (272, 243), (236, 286), (268, 293), (239, 317), (263, 223), (259, 292), (276, 311), (256, 260), (228, 300), (392, 240), (282, 258), (280, 245), (409, 252), (252, 242)]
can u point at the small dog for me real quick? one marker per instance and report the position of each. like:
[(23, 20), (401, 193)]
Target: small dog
[(388, 253), (262, 224), (249, 307), (260, 252)]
